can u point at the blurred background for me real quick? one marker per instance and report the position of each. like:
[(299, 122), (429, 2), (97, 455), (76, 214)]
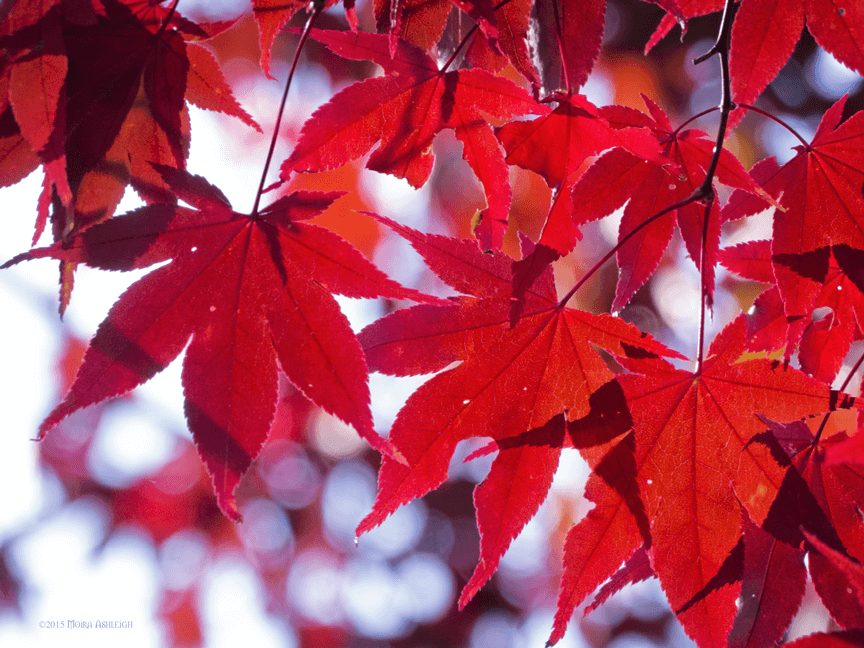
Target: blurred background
[(112, 516)]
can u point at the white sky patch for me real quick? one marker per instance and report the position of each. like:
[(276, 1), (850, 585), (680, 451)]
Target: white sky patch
[(778, 141), (128, 446), (829, 77), (69, 580), (232, 605)]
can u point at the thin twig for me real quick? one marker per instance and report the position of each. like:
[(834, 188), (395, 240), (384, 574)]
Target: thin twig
[(778, 120), (720, 47), (317, 8), (706, 190)]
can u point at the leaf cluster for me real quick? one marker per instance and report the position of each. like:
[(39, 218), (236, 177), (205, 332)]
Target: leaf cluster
[(717, 474)]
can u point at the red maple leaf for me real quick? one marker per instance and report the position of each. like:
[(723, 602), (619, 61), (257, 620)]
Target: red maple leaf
[(773, 579), (36, 85), (697, 459), (825, 342), (510, 381), (820, 502), (609, 535), (556, 146), (404, 110), (848, 639), (570, 33), (272, 15), (651, 187), (250, 292), (820, 193), (765, 32), (111, 100)]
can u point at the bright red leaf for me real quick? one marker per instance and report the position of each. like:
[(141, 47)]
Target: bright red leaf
[(608, 536), (653, 185), (850, 639), (510, 381), (404, 110), (824, 342), (697, 459), (820, 192), (250, 292), (692, 480), (765, 33)]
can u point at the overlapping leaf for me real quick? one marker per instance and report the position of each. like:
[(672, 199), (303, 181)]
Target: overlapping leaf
[(652, 186), (112, 81), (404, 110), (509, 381), (772, 587), (608, 536), (250, 291), (820, 191), (765, 33), (697, 459), (556, 146), (825, 342), (821, 502)]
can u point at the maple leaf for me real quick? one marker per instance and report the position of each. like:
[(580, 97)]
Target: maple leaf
[(635, 570), (17, 157), (569, 35), (419, 22), (509, 381), (272, 15), (514, 20), (823, 343), (772, 587), (404, 110), (651, 187), (765, 32), (848, 639), (555, 146), (820, 502), (37, 88), (820, 191), (697, 459), (206, 86), (112, 83), (609, 535), (837, 580), (250, 292)]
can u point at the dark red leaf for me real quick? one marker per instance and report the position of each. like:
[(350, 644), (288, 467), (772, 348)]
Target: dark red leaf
[(250, 292), (404, 111), (772, 588)]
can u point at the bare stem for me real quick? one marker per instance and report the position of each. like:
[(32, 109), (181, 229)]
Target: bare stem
[(705, 295), (317, 8), (776, 119), (706, 190)]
